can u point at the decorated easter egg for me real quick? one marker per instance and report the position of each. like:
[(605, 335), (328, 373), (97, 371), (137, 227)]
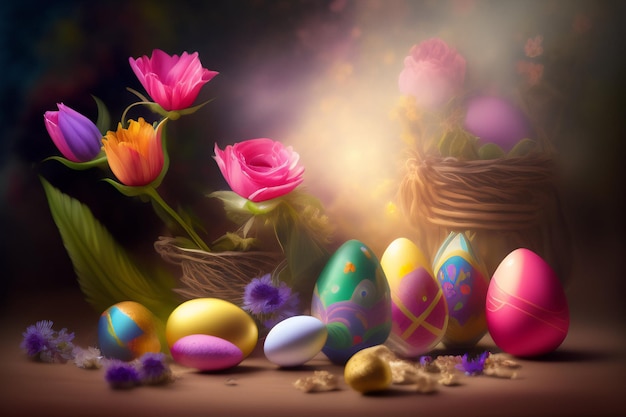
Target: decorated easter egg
[(366, 371), (526, 308), (464, 281), (351, 297), (418, 308), (496, 120), (205, 352), (295, 340), (127, 330), (213, 317)]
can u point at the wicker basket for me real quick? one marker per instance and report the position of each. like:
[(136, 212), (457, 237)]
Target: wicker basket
[(216, 274), (502, 204)]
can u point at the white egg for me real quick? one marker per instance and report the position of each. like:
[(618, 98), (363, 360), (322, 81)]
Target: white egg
[(295, 340)]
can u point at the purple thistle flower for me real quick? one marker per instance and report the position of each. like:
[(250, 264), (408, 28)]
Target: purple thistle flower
[(473, 367), (121, 375), (63, 346), (153, 369), (288, 309), (262, 296), (42, 342), (37, 338)]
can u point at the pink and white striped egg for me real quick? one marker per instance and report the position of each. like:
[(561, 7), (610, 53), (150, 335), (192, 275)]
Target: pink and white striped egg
[(526, 309)]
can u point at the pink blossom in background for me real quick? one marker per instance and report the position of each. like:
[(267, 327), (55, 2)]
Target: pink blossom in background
[(433, 73), (531, 71), (260, 169), (534, 47), (581, 23), (173, 82)]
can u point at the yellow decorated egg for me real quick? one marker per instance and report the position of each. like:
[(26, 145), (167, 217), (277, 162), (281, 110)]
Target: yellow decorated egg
[(464, 281), (418, 308), (127, 330), (213, 317)]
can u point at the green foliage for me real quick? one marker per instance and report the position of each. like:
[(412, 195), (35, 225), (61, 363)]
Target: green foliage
[(299, 227), (99, 161), (106, 274), (459, 144), (104, 117), (490, 151)]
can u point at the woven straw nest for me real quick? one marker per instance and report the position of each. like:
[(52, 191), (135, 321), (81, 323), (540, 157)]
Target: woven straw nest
[(511, 200), (216, 274), (501, 194)]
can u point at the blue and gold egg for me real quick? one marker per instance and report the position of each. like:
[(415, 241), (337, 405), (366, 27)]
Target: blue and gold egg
[(351, 297), (464, 281), (127, 330)]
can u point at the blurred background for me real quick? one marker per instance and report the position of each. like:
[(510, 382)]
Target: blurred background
[(320, 75)]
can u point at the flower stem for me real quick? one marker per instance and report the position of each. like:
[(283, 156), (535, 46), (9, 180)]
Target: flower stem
[(152, 193)]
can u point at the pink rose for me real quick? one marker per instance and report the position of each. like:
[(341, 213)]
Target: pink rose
[(173, 82), (433, 73), (260, 169)]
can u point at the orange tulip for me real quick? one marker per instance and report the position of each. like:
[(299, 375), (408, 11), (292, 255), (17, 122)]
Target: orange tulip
[(135, 154)]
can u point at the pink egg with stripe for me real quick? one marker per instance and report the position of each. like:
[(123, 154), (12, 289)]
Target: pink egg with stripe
[(526, 309)]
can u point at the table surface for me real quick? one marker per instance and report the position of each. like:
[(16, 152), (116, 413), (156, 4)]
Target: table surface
[(584, 377)]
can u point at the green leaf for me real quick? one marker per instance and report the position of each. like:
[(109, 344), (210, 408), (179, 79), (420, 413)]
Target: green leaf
[(156, 108), (458, 144), (490, 151), (523, 147), (233, 242), (138, 94), (234, 205), (127, 190), (190, 110), (104, 117), (106, 274), (80, 166), (303, 233)]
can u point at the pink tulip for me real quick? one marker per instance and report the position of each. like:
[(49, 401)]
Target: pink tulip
[(260, 169), (173, 82), (433, 73)]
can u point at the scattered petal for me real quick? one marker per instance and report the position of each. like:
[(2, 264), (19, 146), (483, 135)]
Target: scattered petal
[(425, 383), (90, 358), (321, 381), (404, 372), (473, 367)]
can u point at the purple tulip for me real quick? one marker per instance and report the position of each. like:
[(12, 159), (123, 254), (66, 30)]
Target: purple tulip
[(76, 137)]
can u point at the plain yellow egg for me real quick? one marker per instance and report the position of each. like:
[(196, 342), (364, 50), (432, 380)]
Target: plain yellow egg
[(213, 317)]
